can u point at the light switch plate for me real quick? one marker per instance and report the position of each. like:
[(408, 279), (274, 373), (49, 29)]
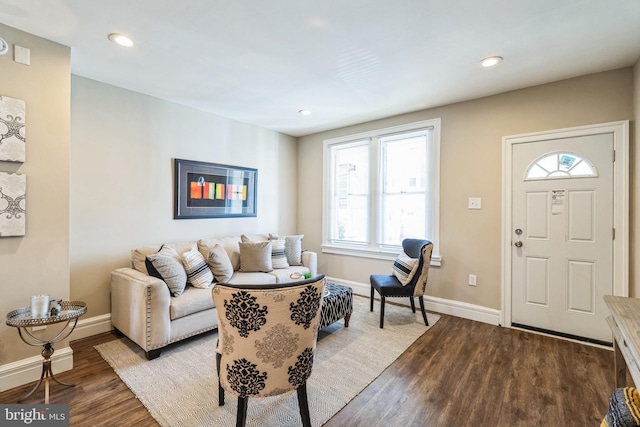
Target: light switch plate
[(475, 203), (21, 55)]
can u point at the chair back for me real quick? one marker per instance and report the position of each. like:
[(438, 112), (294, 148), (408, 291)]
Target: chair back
[(267, 335), (421, 249)]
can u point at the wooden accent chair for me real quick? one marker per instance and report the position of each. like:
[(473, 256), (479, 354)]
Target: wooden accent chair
[(266, 340), (412, 268)]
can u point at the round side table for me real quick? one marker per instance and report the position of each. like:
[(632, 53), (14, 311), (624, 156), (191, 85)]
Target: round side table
[(21, 318)]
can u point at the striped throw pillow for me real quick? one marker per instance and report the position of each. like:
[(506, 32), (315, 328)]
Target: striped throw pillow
[(198, 272), (278, 257), (404, 268)]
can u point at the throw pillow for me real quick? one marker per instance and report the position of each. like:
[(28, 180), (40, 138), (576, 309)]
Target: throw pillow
[(278, 257), (293, 249), (230, 245), (167, 266), (255, 256), (404, 268), (219, 263), (198, 272), (139, 260)]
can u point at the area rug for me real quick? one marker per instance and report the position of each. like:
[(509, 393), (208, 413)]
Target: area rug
[(180, 388)]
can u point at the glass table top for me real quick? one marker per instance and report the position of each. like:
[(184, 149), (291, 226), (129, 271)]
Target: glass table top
[(68, 310)]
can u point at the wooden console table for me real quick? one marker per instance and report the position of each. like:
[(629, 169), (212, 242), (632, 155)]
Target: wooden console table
[(625, 325)]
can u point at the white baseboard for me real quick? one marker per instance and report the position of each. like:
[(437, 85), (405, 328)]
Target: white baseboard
[(439, 305), (92, 326), (24, 371)]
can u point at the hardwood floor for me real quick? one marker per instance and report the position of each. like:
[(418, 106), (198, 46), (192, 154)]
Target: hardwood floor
[(459, 373)]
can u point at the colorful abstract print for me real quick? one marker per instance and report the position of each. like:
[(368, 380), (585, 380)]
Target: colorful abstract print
[(216, 190)]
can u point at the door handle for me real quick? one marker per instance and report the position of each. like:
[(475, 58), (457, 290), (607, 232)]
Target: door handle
[(518, 244)]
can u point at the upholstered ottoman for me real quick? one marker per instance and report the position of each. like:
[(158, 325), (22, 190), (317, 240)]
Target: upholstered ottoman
[(337, 303)]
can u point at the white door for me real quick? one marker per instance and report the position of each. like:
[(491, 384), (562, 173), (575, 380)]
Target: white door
[(562, 235)]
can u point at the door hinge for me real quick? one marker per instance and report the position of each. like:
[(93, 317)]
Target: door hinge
[(614, 156), (614, 234)]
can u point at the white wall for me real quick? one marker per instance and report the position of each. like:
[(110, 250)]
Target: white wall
[(122, 148)]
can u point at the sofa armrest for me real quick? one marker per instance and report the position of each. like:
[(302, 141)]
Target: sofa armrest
[(140, 308), (310, 260)]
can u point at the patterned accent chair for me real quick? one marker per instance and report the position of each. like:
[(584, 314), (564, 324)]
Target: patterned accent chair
[(266, 340), (390, 286)]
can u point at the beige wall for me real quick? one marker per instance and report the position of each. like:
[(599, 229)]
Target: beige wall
[(471, 156), (39, 261), (122, 148)]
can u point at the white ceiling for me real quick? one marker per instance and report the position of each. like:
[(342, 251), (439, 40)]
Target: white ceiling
[(348, 61)]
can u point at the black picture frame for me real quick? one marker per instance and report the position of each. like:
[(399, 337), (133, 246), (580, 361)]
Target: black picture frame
[(211, 190)]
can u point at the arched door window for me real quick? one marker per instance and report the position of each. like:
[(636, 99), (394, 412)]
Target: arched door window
[(560, 165)]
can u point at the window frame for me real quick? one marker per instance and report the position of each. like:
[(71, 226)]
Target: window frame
[(374, 250)]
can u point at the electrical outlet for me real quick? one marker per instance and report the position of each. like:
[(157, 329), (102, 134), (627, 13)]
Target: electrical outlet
[(475, 202), (472, 280)]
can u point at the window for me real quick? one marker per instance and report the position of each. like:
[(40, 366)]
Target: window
[(381, 187), (560, 165)]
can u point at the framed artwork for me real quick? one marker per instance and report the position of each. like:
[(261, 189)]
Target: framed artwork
[(12, 129), (209, 190), (13, 204)]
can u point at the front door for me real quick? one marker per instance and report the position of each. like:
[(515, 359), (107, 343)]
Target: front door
[(563, 235)]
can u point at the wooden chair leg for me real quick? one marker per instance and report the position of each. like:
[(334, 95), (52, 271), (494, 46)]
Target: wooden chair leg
[(381, 311), (413, 304), (220, 389), (241, 418), (304, 405), (424, 313), (371, 299)]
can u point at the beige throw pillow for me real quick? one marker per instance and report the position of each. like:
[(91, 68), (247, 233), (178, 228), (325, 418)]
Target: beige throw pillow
[(255, 256), (219, 263)]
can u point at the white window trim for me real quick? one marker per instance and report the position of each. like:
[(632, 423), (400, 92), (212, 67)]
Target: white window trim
[(385, 253)]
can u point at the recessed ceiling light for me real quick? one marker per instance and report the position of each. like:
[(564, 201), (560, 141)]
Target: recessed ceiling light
[(121, 39), (304, 112), (491, 61)]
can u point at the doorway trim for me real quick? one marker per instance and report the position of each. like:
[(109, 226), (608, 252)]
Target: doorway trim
[(620, 132)]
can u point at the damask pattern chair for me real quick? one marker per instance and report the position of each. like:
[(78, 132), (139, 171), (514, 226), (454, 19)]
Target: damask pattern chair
[(415, 270), (266, 340)]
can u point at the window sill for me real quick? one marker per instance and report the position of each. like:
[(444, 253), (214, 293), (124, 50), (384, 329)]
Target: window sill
[(436, 260)]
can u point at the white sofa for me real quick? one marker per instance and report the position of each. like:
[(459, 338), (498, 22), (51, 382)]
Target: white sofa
[(144, 309)]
